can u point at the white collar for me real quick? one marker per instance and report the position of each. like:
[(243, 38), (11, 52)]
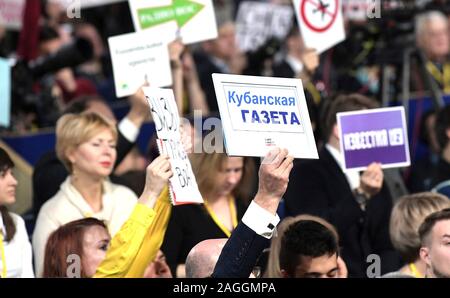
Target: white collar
[(80, 203), (352, 176), (2, 226), (336, 154), (295, 64), (221, 64)]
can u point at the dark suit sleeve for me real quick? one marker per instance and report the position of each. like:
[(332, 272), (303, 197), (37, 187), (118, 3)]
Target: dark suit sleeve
[(309, 191), (240, 253), (123, 147)]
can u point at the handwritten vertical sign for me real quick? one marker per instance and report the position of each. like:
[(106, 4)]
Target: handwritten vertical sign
[(259, 113), (183, 185), (375, 135)]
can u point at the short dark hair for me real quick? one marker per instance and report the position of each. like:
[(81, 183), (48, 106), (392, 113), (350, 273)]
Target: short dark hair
[(442, 124), (47, 33), (306, 238), (344, 103), (429, 222)]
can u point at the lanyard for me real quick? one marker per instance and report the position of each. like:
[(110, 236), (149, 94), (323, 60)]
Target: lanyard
[(2, 252), (442, 78), (314, 92), (216, 219), (414, 270)]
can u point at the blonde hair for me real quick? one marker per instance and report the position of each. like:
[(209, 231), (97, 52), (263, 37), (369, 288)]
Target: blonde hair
[(407, 215), (206, 167), (273, 263), (73, 130)]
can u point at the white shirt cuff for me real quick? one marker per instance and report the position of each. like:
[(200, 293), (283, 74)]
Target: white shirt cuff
[(128, 130), (261, 221)]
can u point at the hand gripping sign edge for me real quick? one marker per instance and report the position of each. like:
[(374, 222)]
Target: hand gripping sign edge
[(309, 24)]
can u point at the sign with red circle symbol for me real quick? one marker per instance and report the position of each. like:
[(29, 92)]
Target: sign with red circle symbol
[(320, 22), (319, 15)]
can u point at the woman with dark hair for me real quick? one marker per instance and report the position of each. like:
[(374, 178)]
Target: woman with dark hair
[(68, 241), (15, 248)]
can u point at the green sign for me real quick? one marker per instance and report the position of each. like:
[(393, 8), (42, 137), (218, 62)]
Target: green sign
[(180, 11)]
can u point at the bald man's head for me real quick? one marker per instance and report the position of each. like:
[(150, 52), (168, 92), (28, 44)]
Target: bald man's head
[(203, 257)]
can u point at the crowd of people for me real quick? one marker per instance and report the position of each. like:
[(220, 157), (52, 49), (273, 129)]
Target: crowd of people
[(101, 207)]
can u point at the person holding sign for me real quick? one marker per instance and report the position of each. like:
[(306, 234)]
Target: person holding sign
[(129, 252), (86, 144), (299, 62), (251, 236), (223, 183), (358, 205)]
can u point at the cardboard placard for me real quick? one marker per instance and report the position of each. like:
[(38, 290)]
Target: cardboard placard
[(11, 13), (375, 135), (257, 22), (259, 113), (321, 23), (183, 185), (138, 58), (192, 20)]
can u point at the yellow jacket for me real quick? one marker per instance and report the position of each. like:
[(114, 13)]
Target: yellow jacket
[(138, 241)]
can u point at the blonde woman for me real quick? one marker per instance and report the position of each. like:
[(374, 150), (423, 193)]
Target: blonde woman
[(407, 215), (225, 183), (86, 144), (130, 251)]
